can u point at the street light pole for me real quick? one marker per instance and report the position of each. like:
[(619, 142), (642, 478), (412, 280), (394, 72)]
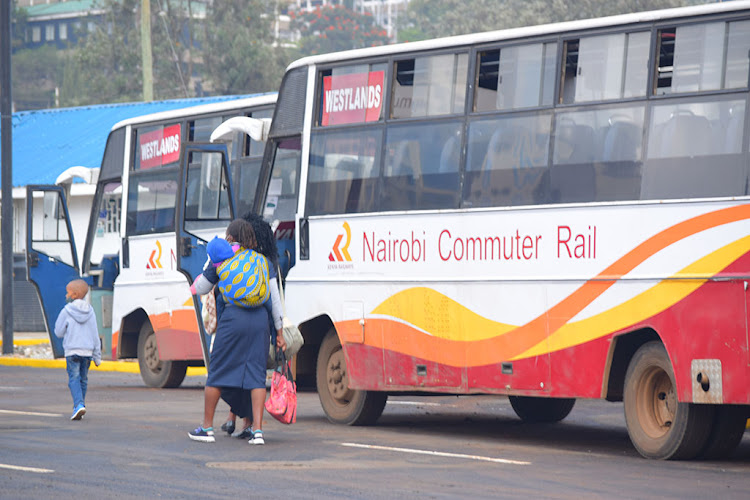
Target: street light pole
[(6, 183), (146, 58)]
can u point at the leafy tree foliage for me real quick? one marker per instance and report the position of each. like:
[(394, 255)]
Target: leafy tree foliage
[(336, 27), (239, 50), (435, 18), (35, 73)]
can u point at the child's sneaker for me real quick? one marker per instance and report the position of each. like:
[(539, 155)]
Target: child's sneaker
[(228, 427), (257, 438), (78, 413), (203, 435)]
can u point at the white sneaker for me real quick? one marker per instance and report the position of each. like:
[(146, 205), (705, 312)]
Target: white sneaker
[(257, 438)]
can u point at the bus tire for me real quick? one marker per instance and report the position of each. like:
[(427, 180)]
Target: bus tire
[(341, 404), (659, 426), (155, 372), (541, 410), (727, 431)]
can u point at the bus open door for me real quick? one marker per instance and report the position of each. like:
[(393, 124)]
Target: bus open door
[(51, 258), (204, 210)]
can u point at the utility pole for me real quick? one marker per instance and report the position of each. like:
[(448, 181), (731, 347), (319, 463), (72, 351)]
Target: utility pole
[(6, 183), (146, 59)]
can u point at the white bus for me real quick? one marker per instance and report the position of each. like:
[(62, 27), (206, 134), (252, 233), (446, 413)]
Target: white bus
[(548, 213), (139, 290)]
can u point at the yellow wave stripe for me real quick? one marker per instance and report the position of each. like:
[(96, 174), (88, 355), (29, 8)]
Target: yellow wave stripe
[(440, 316), (645, 305)]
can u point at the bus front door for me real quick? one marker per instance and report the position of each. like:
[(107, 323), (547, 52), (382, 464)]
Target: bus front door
[(51, 258), (204, 210)]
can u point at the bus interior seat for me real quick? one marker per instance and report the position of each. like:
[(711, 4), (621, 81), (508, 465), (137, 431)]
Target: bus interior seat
[(403, 176), (684, 135), (620, 176), (572, 178)]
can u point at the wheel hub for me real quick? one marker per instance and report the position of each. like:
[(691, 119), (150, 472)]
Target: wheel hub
[(338, 382), (152, 354), (658, 404)]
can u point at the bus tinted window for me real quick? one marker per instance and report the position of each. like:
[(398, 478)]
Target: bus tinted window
[(515, 77), (343, 172), (200, 129), (597, 155), (703, 57), (421, 166), (207, 197), (507, 161), (281, 198), (151, 202), (429, 86), (695, 150), (351, 94), (157, 146), (605, 67)]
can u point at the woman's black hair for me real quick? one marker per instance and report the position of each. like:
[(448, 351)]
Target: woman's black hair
[(242, 232), (266, 241)]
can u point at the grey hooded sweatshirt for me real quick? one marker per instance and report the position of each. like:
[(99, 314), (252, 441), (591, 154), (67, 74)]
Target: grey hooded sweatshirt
[(76, 325)]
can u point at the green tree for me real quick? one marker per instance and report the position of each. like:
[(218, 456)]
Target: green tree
[(436, 18), (35, 73), (335, 27), (240, 54), (106, 64)]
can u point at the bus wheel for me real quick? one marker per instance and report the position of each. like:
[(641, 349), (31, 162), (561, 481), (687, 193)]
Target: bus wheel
[(658, 424), (155, 372), (538, 410), (342, 404), (727, 431)]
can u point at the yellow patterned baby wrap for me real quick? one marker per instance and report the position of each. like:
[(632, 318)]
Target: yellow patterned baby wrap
[(243, 279)]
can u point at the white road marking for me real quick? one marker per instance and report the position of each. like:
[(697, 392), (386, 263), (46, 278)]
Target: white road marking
[(437, 453), (32, 413), (26, 469), (413, 403)]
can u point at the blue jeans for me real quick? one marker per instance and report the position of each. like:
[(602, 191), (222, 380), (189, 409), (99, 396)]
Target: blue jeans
[(78, 377)]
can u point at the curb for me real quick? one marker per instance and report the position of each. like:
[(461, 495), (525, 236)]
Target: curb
[(27, 342), (105, 366)]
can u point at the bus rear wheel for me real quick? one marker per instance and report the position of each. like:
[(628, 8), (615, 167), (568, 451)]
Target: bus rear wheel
[(541, 410), (155, 372), (659, 426), (342, 404)]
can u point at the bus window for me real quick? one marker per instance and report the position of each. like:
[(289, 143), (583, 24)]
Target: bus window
[(207, 196), (106, 239), (51, 237), (695, 150), (351, 94), (506, 161), (417, 174), (157, 146), (515, 77), (281, 198), (597, 155), (702, 57), (429, 86), (200, 129), (343, 172), (151, 202), (605, 67)]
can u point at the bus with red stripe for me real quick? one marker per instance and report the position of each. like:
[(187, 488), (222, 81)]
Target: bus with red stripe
[(547, 213)]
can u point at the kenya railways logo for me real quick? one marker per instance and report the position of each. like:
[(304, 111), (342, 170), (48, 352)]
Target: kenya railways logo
[(154, 261), (342, 254)]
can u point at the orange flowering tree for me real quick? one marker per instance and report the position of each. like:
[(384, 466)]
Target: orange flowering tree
[(335, 27)]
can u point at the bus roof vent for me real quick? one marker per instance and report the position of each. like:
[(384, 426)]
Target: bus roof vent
[(290, 106)]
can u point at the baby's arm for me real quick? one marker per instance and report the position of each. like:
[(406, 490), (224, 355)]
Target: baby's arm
[(201, 286)]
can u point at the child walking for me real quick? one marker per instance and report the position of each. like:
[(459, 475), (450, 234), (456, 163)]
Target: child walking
[(76, 325)]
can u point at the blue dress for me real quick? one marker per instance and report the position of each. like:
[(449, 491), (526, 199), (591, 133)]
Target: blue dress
[(240, 349)]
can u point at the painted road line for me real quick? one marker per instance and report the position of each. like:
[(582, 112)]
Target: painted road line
[(414, 403), (26, 469), (31, 413), (437, 453)]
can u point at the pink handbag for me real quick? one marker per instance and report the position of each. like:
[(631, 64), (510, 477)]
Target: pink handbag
[(282, 404)]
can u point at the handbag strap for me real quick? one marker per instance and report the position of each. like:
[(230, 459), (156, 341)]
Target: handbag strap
[(284, 365)]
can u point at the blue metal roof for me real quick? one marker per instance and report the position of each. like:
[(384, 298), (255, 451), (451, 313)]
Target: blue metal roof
[(48, 142)]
